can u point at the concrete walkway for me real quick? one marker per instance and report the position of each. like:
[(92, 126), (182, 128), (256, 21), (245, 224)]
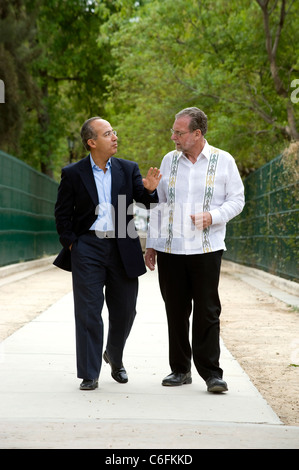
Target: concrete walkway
[(41, 405)]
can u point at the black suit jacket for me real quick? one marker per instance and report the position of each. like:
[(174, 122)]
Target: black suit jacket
[(75, 209)]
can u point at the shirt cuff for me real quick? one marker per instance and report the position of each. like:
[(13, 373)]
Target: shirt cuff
[(216, 216)]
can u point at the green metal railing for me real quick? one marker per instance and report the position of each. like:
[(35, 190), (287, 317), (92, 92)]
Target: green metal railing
[(265, 234), (27, 224)]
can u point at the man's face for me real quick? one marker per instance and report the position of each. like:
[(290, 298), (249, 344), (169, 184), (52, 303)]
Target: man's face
[(182, 137), (106, 141)]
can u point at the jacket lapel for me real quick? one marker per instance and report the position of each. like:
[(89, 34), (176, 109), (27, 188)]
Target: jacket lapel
[(117, 177), (88, 179)]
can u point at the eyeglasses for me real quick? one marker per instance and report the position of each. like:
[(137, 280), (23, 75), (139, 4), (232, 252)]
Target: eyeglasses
[(109, 133), (177, 133)]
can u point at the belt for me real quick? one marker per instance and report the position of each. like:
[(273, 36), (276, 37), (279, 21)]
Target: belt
[(107, 234)]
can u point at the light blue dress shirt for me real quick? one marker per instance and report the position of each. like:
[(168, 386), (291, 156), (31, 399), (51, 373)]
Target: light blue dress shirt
[(104, 210)]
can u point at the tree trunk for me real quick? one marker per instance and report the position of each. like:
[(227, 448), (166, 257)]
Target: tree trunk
[(44, 123), (271, 46)]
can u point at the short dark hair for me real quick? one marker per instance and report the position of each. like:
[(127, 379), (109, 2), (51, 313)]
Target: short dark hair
[(199, 120), (87, 131)]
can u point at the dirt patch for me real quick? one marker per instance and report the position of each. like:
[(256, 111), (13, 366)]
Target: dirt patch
[(22, 300), (262, 333)]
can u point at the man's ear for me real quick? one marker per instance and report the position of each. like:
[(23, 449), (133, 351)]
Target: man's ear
[(91, 143)]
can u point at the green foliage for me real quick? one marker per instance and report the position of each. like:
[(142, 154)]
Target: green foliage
[(16, 33), (137, 63), (71, 73), (209, 54), (68, 72)]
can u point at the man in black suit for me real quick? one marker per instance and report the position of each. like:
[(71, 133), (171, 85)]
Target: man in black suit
[(101, 247)]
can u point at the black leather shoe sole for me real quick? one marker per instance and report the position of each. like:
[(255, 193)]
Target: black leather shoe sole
[(117, 373)]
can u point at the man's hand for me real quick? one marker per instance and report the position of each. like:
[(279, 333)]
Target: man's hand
[(201, 220), (150, 258), (152, 179)]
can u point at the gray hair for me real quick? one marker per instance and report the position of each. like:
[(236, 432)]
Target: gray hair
[(88, 132), (198, 120)]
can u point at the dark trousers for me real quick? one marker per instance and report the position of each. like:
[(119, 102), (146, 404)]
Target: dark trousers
[(98, 275), (187, 279)]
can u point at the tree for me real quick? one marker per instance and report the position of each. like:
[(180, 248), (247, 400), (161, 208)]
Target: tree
[(282, 84), (16, 33), (59, 56), (137, 64), (70, 73), (186, 56)]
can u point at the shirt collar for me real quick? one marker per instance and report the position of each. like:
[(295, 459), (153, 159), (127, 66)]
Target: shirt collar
[(205, 151), (93, 165)]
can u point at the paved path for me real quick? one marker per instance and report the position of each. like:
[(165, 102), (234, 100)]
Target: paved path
[(41, 405)]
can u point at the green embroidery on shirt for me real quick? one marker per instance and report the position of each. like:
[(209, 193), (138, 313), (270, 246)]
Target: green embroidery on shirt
[(209, 190), (171, 199)]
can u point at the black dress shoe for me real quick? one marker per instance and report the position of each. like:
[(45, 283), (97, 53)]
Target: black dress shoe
[(216, 385), (118, 373), (89, 384), (177, 378)]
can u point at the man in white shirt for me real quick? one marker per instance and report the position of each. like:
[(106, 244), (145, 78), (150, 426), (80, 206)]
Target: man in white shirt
[(200, 191)]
